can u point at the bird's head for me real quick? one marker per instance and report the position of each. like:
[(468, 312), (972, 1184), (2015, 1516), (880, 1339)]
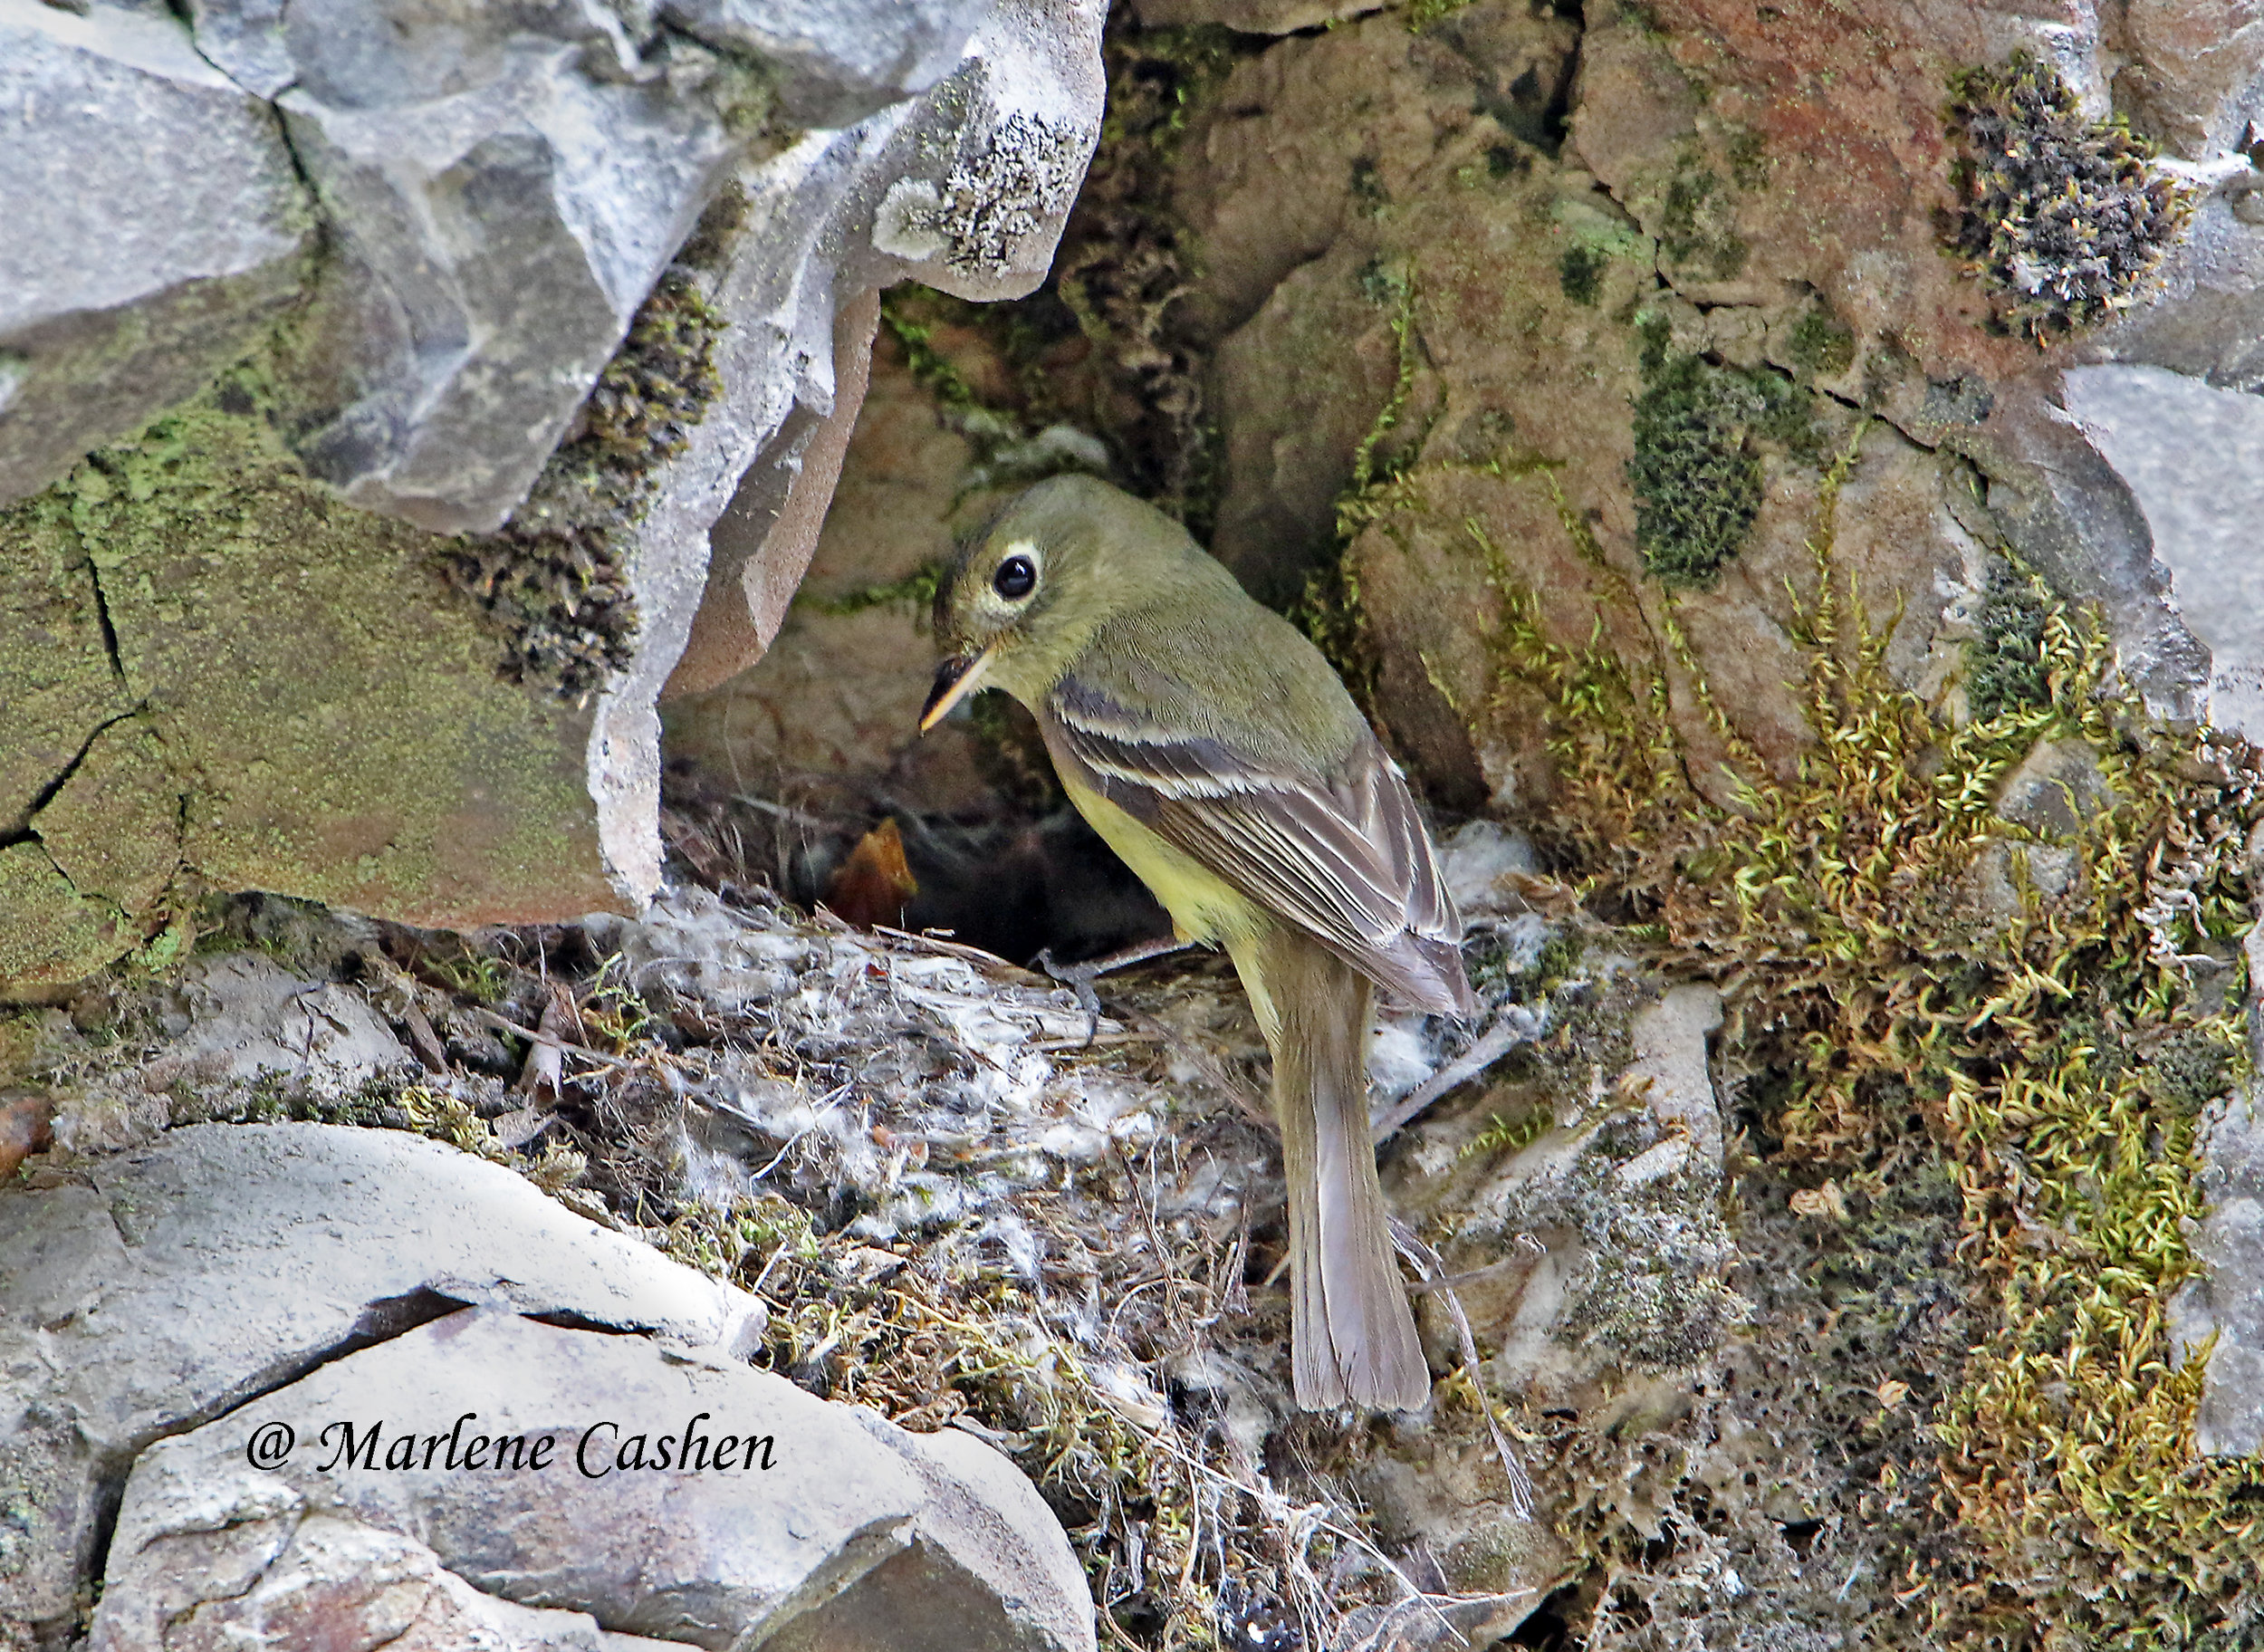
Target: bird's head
[(1027, 592)]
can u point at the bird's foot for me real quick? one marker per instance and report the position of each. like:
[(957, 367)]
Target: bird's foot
[(1080, 977)]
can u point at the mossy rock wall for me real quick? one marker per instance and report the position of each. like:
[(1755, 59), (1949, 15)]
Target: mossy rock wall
[(266, 689)]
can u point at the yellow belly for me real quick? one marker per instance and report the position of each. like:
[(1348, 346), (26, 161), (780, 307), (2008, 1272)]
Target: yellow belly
[(1203, 907)]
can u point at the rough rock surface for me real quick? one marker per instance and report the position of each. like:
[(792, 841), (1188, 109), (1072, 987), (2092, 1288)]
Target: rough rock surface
[(157, 1304), (769, 1502), (413, 247), (329, 1288), (123, 137)]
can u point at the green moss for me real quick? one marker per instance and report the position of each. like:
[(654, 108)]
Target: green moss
[(1820, 346), (1580, 273), (931, 369), (2056, 1064), (2063, 218), (915, 589), (1696, 473), (2006, 667)]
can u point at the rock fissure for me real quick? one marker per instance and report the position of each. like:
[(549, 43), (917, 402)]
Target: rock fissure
[(29, 829)]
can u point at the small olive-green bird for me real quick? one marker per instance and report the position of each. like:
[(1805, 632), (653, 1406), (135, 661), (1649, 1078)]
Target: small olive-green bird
[(1214, 748)]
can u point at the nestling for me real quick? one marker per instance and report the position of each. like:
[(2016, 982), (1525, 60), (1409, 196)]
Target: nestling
[(1214, 748)]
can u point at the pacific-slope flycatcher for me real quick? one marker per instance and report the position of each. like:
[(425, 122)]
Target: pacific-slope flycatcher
[(1214, 748)]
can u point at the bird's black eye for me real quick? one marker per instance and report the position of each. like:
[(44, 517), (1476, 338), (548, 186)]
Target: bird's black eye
[(1016, 578)]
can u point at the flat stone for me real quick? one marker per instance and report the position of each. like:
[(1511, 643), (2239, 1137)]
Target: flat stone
[(164, 1286), (155, 226)]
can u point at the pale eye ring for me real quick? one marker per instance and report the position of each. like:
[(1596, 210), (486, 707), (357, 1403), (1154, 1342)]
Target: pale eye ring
[(1016, 578)]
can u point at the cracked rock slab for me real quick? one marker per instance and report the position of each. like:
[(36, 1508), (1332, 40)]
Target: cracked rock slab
[(788, 1501), (119, 135), (566, 1470), (164, 1286)]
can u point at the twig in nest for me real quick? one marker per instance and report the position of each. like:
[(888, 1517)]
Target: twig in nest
[(1433, 1270), (1501, 1038), (532, 1037)]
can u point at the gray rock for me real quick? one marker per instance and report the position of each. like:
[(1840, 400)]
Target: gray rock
[(691, 1499), (166, 1286), (982, 1537), (499, 190), (966, 189), (155, 226), (2072, 518), (2193, 457), (2057, 789), (254, 1017), (2228, 1302), (788, 1501), (504, 196), (837, 60), (324, 1579)]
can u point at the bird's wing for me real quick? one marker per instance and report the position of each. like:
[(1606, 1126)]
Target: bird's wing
[(1343, 857)]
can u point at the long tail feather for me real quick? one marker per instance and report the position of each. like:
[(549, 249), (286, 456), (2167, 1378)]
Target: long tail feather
[(1353, 1332)]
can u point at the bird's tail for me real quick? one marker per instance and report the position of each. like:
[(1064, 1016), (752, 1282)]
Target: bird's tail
[(1353, 1334)]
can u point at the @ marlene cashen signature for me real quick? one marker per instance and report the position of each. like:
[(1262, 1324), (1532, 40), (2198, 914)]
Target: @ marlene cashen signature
[(602, 1449)]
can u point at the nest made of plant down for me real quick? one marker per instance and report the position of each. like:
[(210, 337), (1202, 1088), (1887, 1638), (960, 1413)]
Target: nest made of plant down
[(956, 1209)]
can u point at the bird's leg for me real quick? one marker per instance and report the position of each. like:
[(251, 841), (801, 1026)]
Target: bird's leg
[(1080, 977)]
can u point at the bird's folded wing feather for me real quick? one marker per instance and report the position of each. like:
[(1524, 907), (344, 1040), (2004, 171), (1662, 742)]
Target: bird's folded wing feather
[(1343, 856)]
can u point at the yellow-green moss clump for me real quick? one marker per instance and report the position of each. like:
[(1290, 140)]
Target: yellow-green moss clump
[(2057, 1051)]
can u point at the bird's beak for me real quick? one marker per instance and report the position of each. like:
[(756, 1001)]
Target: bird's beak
[(956, 678)]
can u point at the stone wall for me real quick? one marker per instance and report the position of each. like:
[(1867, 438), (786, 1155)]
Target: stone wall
[(370, 377)]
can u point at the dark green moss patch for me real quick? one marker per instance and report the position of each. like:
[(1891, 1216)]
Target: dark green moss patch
[(2006, 658), (554, 581), (1699, 429), (2063, 218), (1580, 273), (1820, 346)]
